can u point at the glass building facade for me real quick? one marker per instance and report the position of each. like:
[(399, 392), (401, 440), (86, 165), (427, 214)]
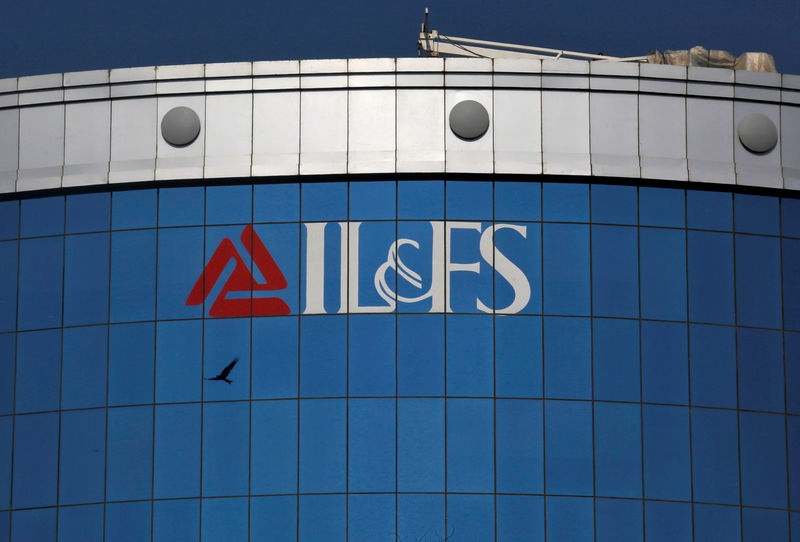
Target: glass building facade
[(417, 360)]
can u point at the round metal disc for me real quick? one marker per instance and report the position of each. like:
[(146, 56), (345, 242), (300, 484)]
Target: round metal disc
[(758, 133), (180, 126), (469, 119)]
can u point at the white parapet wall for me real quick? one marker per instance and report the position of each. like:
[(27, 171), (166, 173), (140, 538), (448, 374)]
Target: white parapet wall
[(387, 116)]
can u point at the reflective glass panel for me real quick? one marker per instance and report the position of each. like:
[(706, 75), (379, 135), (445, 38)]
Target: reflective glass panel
[(273, 517), (665, 433), (616, 360), (8, 285), (760, 356), (279, 202), (565, 202), (763, 460), (9, 219), (82, 462), (715, 457), (130, 453), (470, 449), (619, 520), (28, 525), (323, 356), (518, 356), (88, 212), (133, 275), (420, 445), (224, 520), (226, 445), (273, 456), (518, 201), (567, 358), (133, 209), (371, 445), (667, 521), (760, 525), (176, 521), (177, 451), (181, 206), (420, 354), (758, 281), (42, 216), (86, 279), (469, 355), (370, 517), (35, 460), (713, 365), (274, 358), (520, 460), (661, 207), (569, 518), (757, 214), (420, 515), (372, 200), (178, 355), (324, 201), (568, 448), (615, 276), (229, 204), (80, 523), (711, 283), (180, 266), (716, 523), (322, 517), (614, 204), (323, 446), (38, 370), (420, 199), (665, 363), (520, 517), (372, 355), (469, 200), (473, 514), (128, 521), (83, 369), (566, 269), (617, 445), (663, 267), (790, 254), (40, 280), (709, 210), (130, 359)]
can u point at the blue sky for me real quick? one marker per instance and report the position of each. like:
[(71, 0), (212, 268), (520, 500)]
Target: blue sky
[(49, 36)]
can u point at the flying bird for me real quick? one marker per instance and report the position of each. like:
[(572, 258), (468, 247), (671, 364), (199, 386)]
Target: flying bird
[(223, 374)]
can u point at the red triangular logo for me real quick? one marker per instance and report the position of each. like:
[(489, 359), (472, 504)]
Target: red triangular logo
[(241, 280)]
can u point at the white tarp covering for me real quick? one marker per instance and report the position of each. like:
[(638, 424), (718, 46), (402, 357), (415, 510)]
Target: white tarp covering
[(714, 58)]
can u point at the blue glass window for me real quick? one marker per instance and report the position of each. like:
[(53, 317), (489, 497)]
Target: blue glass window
[(469, 200), (133, 209), (420, 445), (181, 206), (619, 520), (759, 525), (88, 212), (180, 266), (522, 246), (616, 360), (224, 520), (790, 217), (618, 451), (615, 280), (323, 457), (130, 453), (86, 279), (8, 285), (42, 216), (84, 523), (518, 356), (226, 340), (420, 516), (661, 207), (324, 201), (667, 521), (520, 517), (470, 445), (178, 352), (322, 517), (6, 442), (176, 521), (791, 288), (711, 285), (40, 278), (35, 460), (9, 219), (226, 448), (518, 201), (370, 517), (273, 517), (82, 462), (371, 445), (758, 281), (129, 521), (229, 204), (614, 204), (282, 243), (520, 460), (566, 269), (420, 354), (7, 357), (31, 525), (569, 518), (793, 437), (713, 359), (665, 363), (130, 359), (663, 265), (467, 289), (568, 358), (760, 369), (469, 355), (372, 354), (133, 275), (83, 370), (372, 200), (177, 451), (792, 362), (279, 202), (716, 523), (568, 448), (274, 447), (665, 431), (38, 370), (763, 461), (275, 369), (757, 214), (709, 210), (715, 457), (565, 202), (420, 199), (472, 514), (323, 356)]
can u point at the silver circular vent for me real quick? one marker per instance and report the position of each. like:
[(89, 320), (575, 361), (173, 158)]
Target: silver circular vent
[(469, 119), (758, 133), (180, 126)]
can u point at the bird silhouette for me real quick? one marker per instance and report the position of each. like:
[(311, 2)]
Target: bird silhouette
[(223, 374)]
